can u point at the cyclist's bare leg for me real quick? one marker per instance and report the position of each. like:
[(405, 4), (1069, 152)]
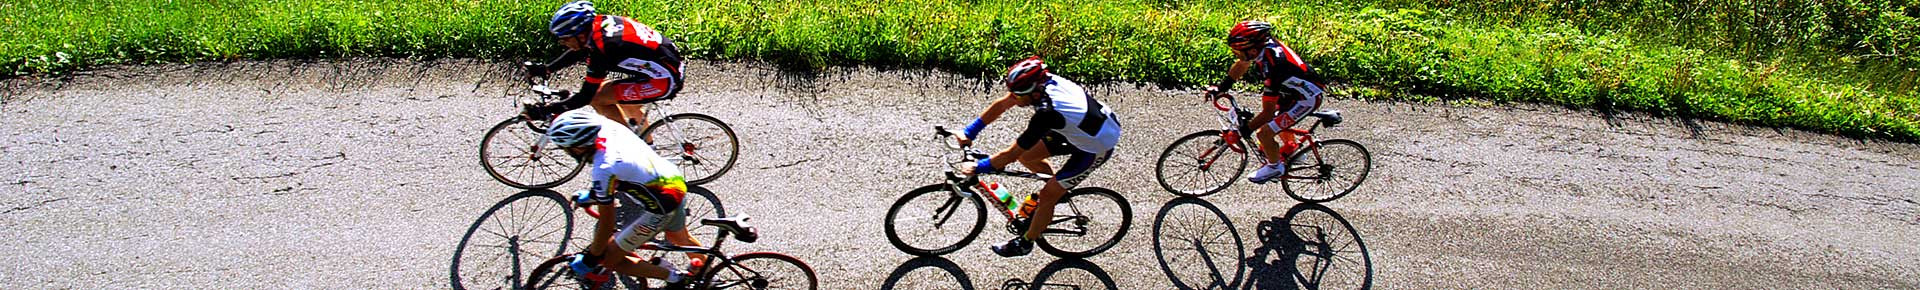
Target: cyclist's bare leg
[(1043, 210), (684, 239), (606, 103), (1035, 159), (1268, 146), (623, 262), (636, 116)]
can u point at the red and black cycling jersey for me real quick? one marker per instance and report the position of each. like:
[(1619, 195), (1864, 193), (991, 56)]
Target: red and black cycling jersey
[(619, 44), (1276, 64)]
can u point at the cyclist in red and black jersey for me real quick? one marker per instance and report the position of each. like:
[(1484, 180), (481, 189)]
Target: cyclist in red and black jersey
[(611, 44), (1292, 90)]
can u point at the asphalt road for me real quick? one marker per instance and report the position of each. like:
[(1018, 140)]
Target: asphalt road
[(362, 174)]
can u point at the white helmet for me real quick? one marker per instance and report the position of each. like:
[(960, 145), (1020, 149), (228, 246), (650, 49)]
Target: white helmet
[(574, 128)]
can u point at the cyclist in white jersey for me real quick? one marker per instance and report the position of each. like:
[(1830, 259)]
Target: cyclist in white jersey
[(650, 193), (1066, 121)]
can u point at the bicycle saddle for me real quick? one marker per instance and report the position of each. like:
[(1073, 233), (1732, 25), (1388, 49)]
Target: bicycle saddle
[(736, 225), (1328, 118)]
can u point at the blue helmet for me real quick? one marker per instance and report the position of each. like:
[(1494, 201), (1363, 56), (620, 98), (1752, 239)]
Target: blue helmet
[(571, 19)]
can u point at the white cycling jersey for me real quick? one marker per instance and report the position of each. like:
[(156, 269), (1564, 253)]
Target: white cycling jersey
[(1089, 126)]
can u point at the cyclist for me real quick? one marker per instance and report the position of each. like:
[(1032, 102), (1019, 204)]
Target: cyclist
[(1066, 121), (611, 44), (1291, 90), (650, 190)]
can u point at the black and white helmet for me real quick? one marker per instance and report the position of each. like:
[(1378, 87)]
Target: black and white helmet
[(574, 129)]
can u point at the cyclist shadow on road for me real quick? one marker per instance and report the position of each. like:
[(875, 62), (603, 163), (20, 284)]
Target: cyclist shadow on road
[(1311, 247), (1060, 274)]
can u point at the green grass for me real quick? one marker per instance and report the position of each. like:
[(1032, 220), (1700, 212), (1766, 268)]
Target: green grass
[(1836, 66)]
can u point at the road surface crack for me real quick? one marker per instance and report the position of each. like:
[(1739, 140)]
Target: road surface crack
[(288, 174), (798, 162), (27, 207)]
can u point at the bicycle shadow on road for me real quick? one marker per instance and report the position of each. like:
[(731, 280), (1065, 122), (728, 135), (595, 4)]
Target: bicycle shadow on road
[(1056, 276), (945, 275), (1311, 247), (1197, 245)]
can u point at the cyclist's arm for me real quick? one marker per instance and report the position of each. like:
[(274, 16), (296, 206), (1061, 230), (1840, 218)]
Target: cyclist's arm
[(1234, 72), (992, 113), (566, 59)]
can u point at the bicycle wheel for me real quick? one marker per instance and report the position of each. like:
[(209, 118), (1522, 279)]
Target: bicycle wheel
[(1325, 250), (701, 145), (1086, 221), (1089, 276), (1193, 235), (1200, 164), (511, 153), (519, 231), (763, 270), (1336, 168), (929, 214)]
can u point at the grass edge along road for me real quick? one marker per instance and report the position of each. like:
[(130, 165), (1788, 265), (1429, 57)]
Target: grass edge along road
[(1416, 54)]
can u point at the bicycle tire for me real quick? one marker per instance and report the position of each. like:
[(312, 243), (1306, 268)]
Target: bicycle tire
[(1047, 242), (950, 206), (1217, 149), (1366, 259), (695, 172), (754, 277), (531, 181), (1326, 166), (461, 250)]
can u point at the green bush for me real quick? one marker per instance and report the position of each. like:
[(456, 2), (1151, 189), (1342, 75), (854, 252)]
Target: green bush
[(1842, 67)]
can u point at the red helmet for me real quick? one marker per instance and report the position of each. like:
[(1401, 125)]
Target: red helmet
[(1026, 75), (1249, 34)]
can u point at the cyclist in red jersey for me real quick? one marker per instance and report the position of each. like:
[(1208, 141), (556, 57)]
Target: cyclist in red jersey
[(1291, 90), (611, 44)]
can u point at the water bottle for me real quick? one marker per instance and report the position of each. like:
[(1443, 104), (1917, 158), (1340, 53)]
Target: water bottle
[(1005, 196), (1026, 207)]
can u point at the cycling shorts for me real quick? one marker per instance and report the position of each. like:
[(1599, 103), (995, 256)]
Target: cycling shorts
[(655, 82), (1079, 163), (1307, 99)]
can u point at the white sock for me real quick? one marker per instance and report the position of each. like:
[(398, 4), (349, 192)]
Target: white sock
[(675, 276)]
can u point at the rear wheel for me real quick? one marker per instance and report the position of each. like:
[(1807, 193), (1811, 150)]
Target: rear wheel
[(511, 152), (763, 270), (1086, 221), (702, 146), (518, 232), (1333, 170), (1200, 164), (934, 220)]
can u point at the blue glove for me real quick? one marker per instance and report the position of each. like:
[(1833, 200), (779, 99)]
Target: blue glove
[(584, 198)]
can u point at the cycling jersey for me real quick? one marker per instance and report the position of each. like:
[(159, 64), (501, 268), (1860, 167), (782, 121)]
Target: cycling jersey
[(1288, 81), (619, 44), (1081, 120), (1072, 123), (655, 183)]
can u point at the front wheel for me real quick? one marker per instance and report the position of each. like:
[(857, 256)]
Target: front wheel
[(934, 220), (1200, 164), (511, 152), (1085, 222), (763, 270), (703, 147), (1333, 170)]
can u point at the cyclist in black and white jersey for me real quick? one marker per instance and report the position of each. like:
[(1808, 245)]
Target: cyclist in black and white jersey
[(1066, 121)]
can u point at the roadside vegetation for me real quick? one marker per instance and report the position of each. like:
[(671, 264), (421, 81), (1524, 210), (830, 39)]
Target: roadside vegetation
[(1843, 66)]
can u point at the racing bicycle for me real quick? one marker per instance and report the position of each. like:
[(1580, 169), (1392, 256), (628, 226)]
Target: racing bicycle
[(941, 218), (515, 153), (1206, 162)]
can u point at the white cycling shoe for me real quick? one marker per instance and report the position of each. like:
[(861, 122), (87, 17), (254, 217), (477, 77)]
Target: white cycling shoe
[(1267, 173)]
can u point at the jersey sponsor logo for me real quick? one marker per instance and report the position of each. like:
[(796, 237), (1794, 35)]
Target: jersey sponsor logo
[(645, 67), (1306, 88)]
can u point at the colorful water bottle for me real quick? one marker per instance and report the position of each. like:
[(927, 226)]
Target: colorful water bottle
[(1026, 207), (1005, 196)]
